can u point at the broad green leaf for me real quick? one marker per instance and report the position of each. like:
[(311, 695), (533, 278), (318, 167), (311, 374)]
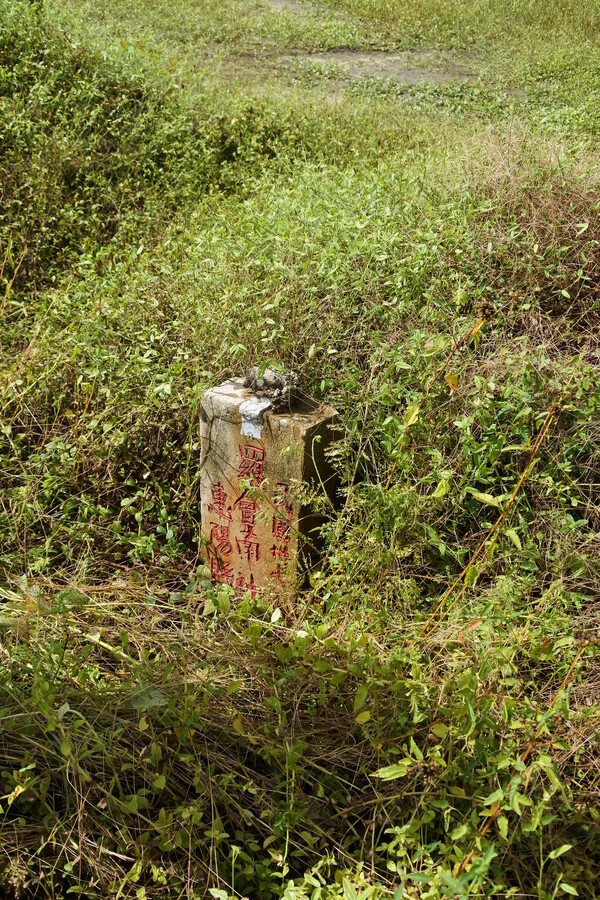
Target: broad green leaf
[(452, 380), (496, 797), (561, 642), (412, 414), (363, 717), (440, 730), (519, 800), (396, 770), (223, 600), (135, 871), (471, 718), (146, 696), (349, 891), (559, 851), (485, 498), (16, 792), (568, 889), (459, 832), (503, 826), (415, 750), (361, 696), (442, 489), (514, 537), (209, 606), (471, 575), (238, 725)]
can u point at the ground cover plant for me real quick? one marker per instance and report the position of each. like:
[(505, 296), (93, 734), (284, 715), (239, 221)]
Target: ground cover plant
[(184, 193)]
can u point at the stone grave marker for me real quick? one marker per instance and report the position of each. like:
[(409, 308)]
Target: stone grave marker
[(255, 531)]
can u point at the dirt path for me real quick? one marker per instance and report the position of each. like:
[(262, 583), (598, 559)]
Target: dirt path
[(402, 67), (292, 6)]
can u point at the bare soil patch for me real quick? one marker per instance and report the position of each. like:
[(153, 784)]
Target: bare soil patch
[(411, 67), (292, 6), (403, 67)]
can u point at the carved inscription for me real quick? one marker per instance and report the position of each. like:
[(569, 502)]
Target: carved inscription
[(246, 531), (280, 530)]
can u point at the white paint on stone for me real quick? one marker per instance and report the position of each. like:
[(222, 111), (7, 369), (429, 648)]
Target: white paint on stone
[(252, 415)]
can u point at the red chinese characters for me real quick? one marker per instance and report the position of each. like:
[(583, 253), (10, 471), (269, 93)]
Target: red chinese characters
[(280, 528), (242, 586), (220, 540), (252, 464), (221, 570), (250, 525), (251, 469), (248, 545), (219, 501)]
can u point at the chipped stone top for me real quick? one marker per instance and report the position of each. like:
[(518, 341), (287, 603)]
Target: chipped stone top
[(281, 389), (232, 401)]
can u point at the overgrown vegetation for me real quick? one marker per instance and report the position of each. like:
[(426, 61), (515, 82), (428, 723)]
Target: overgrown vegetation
[(423, 721)]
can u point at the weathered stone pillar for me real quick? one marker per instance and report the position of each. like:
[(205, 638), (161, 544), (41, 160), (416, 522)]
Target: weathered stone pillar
[(255, 530)]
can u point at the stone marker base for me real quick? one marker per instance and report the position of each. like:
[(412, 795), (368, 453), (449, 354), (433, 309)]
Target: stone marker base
[(255, 530)]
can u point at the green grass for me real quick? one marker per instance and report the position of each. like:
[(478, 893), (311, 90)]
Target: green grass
[(179, 202), (483, 23)]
